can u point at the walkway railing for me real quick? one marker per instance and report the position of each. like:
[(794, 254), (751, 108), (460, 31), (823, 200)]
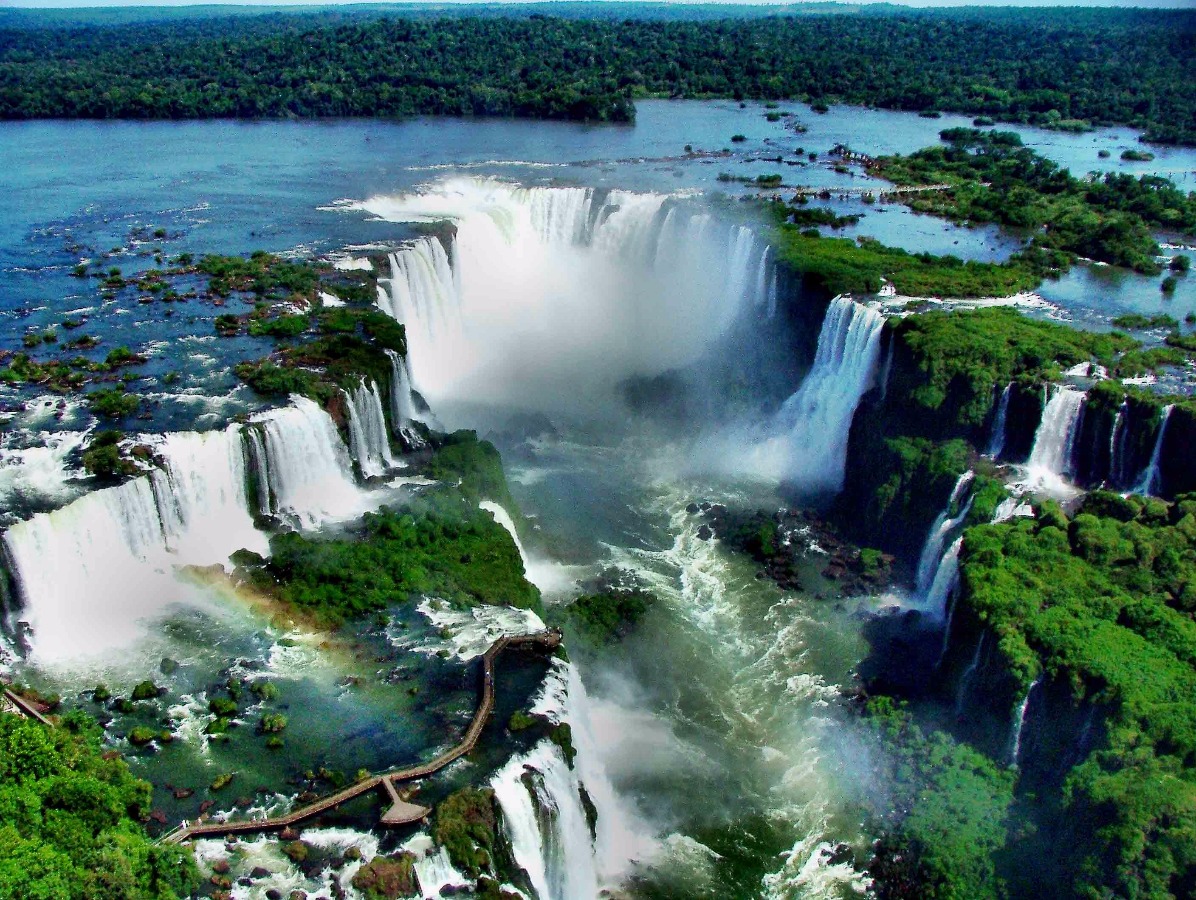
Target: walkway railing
[(400, 812)]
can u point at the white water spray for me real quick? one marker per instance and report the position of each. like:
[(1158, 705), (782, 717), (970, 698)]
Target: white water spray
[(1054, 442), (1151, 479), (1019, 724), (309, 472), (368, 440), (403, 411), (996, 441), (932, 550), (543, 812), (550, 298), (91, 574), (811, 429), (1116, 439)]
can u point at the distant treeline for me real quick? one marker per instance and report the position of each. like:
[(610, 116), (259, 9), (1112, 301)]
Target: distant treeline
[(1090, 67)]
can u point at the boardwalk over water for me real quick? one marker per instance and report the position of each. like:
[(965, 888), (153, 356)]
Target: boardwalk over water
[(401, 812), (17, 705)]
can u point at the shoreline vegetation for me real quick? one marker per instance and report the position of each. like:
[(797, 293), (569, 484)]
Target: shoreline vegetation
[(1086, 69), (992, 178)]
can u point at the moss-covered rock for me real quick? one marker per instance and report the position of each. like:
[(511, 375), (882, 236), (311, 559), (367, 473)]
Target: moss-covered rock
[(465, 824), (388, 877)]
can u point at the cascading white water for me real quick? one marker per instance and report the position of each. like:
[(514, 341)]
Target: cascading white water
[(546, 823), (1019, 724), (403, 412), (1116, 438), (945, 578), (543, 813), (1150, 481), (368, 440), (90, 574), (968, 673), (814, 423), (308, 468), (255, 446), (1054, 442), (550, 298), (932, 550), (40, 473), (996, 441)]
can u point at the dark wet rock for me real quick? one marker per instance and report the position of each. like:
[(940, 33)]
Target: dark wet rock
[(205, 806), (258, 872), (273, 894), (182, 793), (693, 508), (158, 816), (705, 533)]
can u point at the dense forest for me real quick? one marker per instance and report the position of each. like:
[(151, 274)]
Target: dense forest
[(1091, 68)]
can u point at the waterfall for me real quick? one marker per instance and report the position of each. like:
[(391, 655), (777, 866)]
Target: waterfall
[(553, 297), (1051, 456), (816, 420), (90, 574), (887, 368), (201, 495), (546, 824), (1116, 440), (256, 448), (932, 550), (307, 467), (945, 578), (968, 673), (368, 440), (1019, 724), (403, 411), (1150, 481), (996, 441), (543, 811)]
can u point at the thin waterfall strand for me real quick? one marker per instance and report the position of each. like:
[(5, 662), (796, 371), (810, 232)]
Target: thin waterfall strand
[(1151, 479)]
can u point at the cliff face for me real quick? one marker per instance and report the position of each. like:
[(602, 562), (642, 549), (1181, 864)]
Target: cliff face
[(910, 439), (1177, 461)]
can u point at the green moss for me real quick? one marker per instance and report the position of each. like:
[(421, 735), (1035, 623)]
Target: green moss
[(465, 824), (113, 403), (609, 616), (521, 721), (146, 690), (388, 877)]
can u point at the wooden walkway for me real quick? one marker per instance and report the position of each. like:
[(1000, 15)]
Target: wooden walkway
[(18, 705), (401, 812), (875, 189)]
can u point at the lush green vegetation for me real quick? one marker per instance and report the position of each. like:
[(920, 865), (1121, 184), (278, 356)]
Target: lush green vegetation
[(962, 355), (843, 266), (996, 179), (1103, 602), (946, 817), (475, 466), (611, 615), (442, 547), (69, 819), (1097, 67), (465, 824)]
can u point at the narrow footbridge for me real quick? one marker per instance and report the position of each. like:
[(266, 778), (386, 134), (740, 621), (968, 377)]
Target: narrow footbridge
[(11, 702), (401, 811)]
